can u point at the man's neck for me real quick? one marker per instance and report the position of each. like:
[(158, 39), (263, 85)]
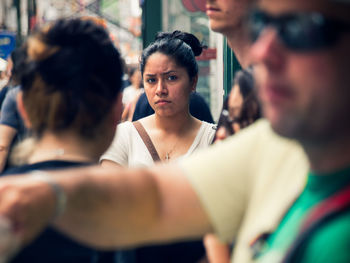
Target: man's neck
[(328, 157), (240, 44)]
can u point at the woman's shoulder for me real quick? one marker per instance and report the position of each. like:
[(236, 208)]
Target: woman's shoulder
[(209, 128), (206, 132), (125, 126), (208, 124)]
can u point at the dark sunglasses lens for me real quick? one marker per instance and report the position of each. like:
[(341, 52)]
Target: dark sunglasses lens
[(256, 24), (306, 32), (299, 32)]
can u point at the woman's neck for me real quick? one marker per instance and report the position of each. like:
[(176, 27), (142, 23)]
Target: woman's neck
[(63, 147), (174, 124)]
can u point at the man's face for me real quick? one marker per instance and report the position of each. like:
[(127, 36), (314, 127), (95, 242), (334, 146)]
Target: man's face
[(226, 15), (305, 94)]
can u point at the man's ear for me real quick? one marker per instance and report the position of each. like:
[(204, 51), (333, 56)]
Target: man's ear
[(194, 83), (22, 110)]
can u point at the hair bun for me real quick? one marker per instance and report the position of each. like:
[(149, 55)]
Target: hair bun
[(188, 38)]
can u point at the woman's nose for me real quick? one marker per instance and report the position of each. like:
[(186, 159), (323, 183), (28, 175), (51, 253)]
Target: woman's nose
[(161, 88)]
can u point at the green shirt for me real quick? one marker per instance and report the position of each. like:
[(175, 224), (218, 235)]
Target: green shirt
[(330, 243)]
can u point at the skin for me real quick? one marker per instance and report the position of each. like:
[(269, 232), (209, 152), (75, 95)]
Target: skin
[(235, 101), (293, 86), (7, 134), (113, 203), (76, 147), (168, 87), (227, 17)]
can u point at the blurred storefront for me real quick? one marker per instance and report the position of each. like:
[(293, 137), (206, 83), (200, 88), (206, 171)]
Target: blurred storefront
[(122, 18), (133, 25), (189, 15)]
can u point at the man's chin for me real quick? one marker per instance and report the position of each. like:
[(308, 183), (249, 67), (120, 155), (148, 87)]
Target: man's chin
[(280, 125), (221, 28)]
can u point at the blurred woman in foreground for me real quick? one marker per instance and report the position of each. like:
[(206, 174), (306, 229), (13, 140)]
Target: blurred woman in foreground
[(71, 99)]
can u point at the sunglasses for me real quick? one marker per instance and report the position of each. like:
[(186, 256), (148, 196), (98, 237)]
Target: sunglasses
[(299, 31)]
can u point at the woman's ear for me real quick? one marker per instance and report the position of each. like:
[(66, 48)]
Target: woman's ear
[(194, 83), (22, 110)]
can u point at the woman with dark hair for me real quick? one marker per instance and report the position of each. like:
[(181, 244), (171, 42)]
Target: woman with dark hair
[(170, 73), (70, 98), (241, 108)]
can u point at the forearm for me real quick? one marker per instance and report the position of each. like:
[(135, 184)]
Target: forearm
[(121, 207), (106, 210), (7, 134), (3, 157)]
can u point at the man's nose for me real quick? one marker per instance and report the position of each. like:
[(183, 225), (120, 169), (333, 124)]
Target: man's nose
[(268, 49)]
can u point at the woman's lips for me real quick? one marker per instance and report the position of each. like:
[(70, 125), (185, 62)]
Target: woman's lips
[(162, 102)]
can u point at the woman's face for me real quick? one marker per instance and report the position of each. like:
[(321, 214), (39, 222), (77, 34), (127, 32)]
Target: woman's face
[(235, 102), (167, 85)]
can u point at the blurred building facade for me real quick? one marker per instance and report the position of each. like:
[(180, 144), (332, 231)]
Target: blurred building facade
[(122, 17), (133, 24)]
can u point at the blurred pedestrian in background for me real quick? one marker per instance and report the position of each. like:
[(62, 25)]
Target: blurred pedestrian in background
[(241, 108), (12, 128), (131, 94)]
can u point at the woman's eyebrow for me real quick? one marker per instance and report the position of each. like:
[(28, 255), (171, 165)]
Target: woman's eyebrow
[(164, 73)]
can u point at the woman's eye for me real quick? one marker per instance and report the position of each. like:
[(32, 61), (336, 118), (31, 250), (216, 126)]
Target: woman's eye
[(151, 80), (172, 77)]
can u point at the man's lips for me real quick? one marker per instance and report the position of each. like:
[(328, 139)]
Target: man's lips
[(275, 93), (211, 10)]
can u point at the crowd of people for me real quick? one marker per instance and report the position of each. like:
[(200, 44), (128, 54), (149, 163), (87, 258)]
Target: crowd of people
[(270, 184)]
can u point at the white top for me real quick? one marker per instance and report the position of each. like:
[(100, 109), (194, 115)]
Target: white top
[(128, 149), (130, 93)]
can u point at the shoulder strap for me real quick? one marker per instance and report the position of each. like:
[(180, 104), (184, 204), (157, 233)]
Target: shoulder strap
[(321, 214), (147, 140)]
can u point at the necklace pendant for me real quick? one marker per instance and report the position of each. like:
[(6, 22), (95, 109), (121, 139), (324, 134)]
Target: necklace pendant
[(167, 157)]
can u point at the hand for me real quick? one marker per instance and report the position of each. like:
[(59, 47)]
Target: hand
[(9, 242), (26, 208)]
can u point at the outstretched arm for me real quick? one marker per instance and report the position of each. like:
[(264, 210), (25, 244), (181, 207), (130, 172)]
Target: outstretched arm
[(109, 207), (7, 133)]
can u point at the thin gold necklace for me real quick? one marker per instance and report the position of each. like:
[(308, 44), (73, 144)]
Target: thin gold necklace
[(167, 154)]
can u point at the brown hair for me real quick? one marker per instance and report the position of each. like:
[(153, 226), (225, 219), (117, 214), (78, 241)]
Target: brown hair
[(71, 77)]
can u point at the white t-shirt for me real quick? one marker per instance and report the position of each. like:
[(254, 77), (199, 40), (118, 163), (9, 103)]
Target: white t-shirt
[(246, 183), (128, 149), (130, 93)]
